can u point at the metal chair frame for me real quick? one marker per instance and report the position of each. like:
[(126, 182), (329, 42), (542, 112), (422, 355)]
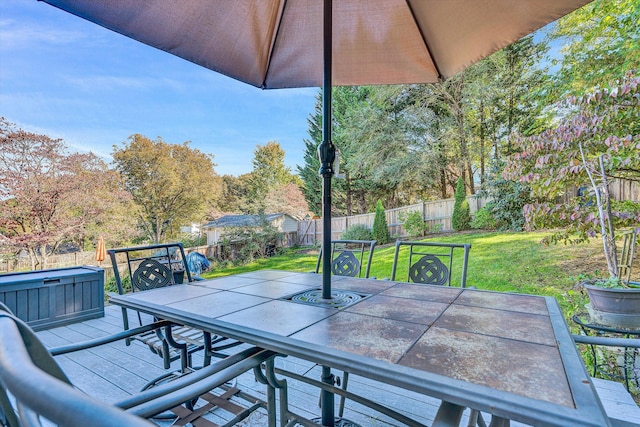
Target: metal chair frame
[(599, 335), (154, 270), (32, 385), (430, 262), (347, 257)]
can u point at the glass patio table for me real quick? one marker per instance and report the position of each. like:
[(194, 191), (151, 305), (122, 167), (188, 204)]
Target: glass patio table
[(507, 354)]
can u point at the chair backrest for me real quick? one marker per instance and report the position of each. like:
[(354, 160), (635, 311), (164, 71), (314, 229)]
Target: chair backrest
[(33, 385), (431, 263), (626, 257), (347, 257), (151, 266)]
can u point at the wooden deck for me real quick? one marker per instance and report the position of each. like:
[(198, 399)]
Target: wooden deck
[(114, 371)]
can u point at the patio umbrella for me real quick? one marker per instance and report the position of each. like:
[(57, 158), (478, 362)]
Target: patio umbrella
[(287, 43), (101, 251), (300, 43)]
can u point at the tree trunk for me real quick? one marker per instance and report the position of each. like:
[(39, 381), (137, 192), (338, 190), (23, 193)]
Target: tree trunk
[(482, 140), (612, 258), (603, 202), (443, 184), (43, 256), (348, 202)]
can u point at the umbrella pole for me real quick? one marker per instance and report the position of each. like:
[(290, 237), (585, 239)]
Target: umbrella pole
[(326, 152)]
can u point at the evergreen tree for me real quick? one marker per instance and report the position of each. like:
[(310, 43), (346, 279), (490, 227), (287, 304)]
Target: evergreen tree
[(380, 228), (461, 219)]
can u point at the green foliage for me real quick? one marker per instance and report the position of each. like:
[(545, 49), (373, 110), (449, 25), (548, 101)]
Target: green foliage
[(190, 240), (437, 228), (269, 173), (413, 223), (508, 199), (600, 43), (602, 123), (603, 282), (171, 184), (245, 244), (461, 219), (111, 286), (380, 228), (357, 232), (484, 220)]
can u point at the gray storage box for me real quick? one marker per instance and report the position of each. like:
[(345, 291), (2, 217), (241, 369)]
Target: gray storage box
[(50, 298)]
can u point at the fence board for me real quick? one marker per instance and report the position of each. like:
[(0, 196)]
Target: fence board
[(437, 215)]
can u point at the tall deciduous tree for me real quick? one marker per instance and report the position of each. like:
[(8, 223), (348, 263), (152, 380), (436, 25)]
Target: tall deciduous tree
[(235, 194), (171, 184), (287, 198), (601, 41), (599, 139), (269, 172), (48, 196)]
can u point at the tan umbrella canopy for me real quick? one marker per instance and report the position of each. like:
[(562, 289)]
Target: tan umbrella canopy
[(300, 43), (278, 43)]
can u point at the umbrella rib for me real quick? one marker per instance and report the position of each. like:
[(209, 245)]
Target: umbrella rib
[(424, 40), (273, 44)]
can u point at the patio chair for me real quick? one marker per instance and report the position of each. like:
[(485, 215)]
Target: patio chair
[(33, 386), (625, 264), (347, 257), (431, 263), (155, 266)]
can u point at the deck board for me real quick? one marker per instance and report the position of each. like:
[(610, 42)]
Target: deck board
[(113, 371)]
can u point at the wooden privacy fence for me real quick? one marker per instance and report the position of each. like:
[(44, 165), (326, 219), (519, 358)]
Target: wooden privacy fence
[(436, 215)]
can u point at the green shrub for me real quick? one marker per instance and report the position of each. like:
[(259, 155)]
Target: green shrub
[(380, 227), (484, 220), (357, 232), (111, 286), (413, 223), (508, 198), (246, 244), (461, 219)]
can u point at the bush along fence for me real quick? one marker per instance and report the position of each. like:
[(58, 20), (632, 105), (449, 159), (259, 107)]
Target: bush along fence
[(436, 216)]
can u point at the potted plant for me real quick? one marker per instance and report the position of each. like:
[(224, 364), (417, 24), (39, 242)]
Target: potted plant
[(613, 302)]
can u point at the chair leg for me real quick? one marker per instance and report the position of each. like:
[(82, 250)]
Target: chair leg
[(268, 377), (345, 380)]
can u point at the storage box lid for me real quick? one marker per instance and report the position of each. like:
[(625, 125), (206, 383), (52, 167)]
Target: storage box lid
[(43, 275)]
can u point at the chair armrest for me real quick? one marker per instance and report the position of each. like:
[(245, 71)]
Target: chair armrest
[(162, 397), (39, 392), (69, 348), (607, 341)]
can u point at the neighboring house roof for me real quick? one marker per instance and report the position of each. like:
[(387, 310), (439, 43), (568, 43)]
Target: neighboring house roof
[(242, 220)]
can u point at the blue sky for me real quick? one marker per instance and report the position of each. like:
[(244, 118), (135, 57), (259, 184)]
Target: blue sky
[(71, 79)]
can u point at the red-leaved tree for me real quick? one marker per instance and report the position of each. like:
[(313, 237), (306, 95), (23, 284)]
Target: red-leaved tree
[(47, 196), (597, 140)]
